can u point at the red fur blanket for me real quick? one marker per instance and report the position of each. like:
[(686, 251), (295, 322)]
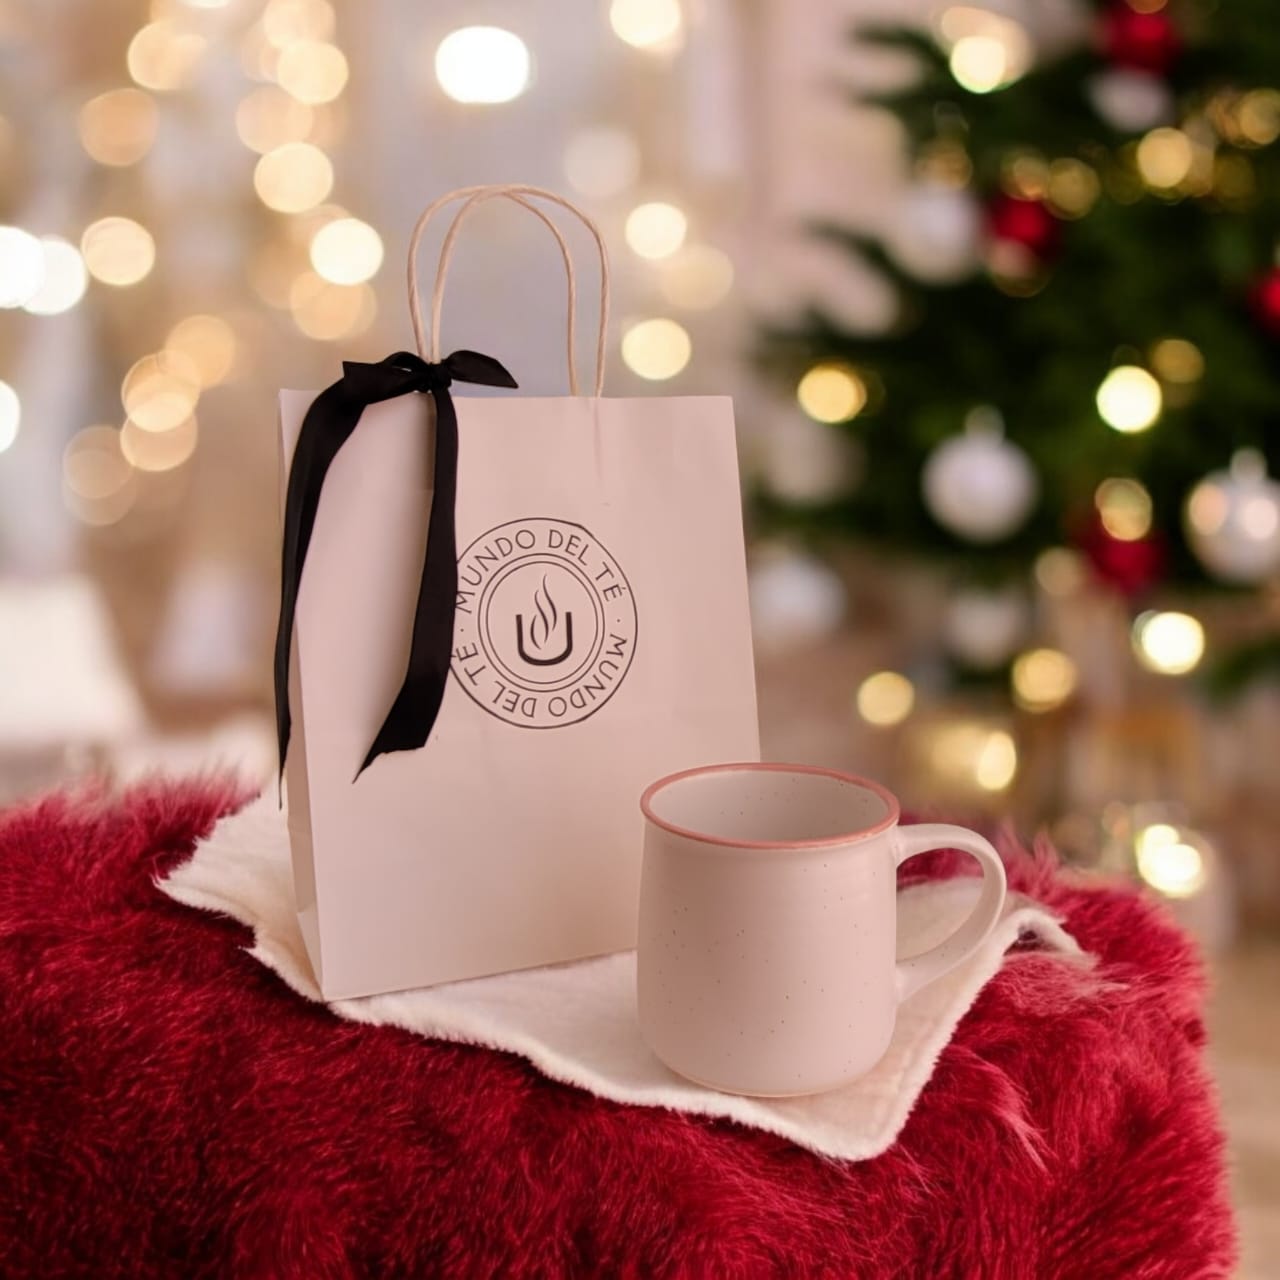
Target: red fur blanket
[(169, 1109)]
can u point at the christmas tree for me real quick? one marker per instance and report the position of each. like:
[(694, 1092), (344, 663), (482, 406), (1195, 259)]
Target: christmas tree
[(1086, 351)]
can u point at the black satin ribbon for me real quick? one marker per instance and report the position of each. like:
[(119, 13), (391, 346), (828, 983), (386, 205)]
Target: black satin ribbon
[(334, 415)]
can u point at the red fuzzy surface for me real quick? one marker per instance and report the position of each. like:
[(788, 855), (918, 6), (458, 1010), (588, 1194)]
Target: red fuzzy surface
[(169, 1109)]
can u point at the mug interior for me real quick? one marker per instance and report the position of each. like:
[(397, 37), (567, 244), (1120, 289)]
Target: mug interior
[(769, 806)]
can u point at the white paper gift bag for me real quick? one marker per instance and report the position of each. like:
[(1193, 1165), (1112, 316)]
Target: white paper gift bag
[(514, 614)]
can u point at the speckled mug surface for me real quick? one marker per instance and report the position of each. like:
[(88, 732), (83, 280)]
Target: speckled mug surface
[(768, 924)]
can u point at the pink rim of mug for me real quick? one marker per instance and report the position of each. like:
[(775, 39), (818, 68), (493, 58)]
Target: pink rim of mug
[(892, 809)]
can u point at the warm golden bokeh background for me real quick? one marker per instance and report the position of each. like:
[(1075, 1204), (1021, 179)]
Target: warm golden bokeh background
[(204, 201)]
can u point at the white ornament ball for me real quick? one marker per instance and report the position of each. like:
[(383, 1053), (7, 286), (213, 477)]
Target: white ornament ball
[(979, 485), (936, 232), (1131, 101), (1232, 521), (795, 599), (985, 628)]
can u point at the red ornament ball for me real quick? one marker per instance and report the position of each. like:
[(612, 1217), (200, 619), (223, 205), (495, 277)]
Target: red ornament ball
[(1130, 567), (1142, 41), (1265, 302), (1024, 222)]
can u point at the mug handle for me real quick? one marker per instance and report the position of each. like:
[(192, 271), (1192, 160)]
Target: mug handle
[(928, 966)]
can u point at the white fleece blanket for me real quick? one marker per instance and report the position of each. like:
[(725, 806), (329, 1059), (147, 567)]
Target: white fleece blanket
[(577, 1022)]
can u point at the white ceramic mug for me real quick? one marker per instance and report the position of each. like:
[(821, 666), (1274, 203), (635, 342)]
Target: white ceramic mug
[(768, 924)]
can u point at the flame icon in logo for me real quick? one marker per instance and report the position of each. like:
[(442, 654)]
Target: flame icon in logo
[(542, 628)]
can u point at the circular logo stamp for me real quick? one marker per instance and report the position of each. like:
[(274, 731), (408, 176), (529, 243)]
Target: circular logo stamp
[(545, 625)]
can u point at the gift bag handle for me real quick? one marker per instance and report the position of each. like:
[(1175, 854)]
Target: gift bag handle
[(515, 192), (446, 254)]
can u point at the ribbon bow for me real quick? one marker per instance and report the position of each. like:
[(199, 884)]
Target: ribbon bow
[(334, 415)]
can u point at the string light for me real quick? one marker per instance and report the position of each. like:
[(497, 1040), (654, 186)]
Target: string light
[(482, 65), (832, 392), (653, 25), (293, 177), (65, 278), (10, 415), (656, 230), (312, 71), (159, 451), (160, 391), (203, 345), (656, 349), (346, 251), (1168, 863), (119, 127), (267, 118), (698, 277), (163, 55), (1169, 643), (601, 162), (1129, 399), (22, 267), (885, 698), (118, 251), (1124, 507), (1043, 679)]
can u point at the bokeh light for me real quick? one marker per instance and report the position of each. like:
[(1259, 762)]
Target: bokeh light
[(656, 349), (331, 311), (163, 55), (1060, 571), (286, 21), (1257, 116), (656, 229), (885, 698), (996, 761), (974, 754), (482, 65), (203, 345), (267, 118), (987, 50), (1165, 157), (697, 278), (1129, 399), (118, 127), (602, 161), (22, 266), (160, 391), (1042, 679), (1177, 360), (99, 484), (65, 278), (313, 71), (346, 251), (1169, 643), (10, 415), (832, 392), (118, 251), (1168, 863), (654, 25), (293, 177), (1073, 188), (1124, 507), (158, 450)]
